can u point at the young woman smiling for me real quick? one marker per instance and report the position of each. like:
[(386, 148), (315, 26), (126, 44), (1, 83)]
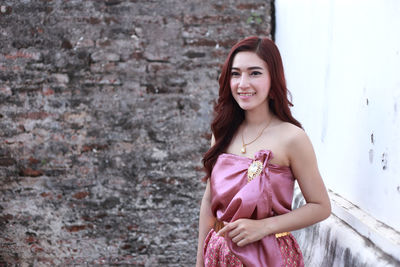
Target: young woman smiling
[(257, 152)]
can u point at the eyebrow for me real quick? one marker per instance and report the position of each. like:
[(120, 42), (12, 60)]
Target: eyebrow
[(249, 68)]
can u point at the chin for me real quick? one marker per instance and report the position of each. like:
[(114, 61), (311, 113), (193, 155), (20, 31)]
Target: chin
[(246, 107), (251, 106)]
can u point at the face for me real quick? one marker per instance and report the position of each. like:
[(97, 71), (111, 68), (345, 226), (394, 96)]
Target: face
[(250, 81)]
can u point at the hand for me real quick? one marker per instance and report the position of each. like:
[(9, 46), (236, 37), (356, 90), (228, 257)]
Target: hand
[(244, 231)]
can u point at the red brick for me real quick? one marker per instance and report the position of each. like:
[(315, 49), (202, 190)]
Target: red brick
[(207, 19), (7, 216), (47, 91), (94, 21), (7, 161), (35, 248), (31, 240), (18, 55), (46, 194), (101, 215), (249, 6), (126, 246), (110, 20), (81, 195), (40, 115), (75, 228), (30, 172), (33, 161), (219, 7)]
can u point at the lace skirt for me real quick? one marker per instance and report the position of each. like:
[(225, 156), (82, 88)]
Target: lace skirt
[(217, 253)]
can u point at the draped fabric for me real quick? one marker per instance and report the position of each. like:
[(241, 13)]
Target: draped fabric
[(233, 197), (217, 253)]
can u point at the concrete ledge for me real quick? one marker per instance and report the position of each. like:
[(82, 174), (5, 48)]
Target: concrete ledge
[(349, 237)]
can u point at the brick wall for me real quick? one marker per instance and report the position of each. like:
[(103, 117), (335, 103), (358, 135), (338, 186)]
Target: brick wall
[(104, 117)]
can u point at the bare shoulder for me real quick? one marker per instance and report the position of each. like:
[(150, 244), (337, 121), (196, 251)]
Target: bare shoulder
[(294, 140), (290, 133), (298, 146), (281, 138)]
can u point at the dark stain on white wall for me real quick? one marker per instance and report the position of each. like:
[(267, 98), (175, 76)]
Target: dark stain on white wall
[(384, 161)]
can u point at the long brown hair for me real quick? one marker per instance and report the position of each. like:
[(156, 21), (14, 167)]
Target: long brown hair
[(228, 115)]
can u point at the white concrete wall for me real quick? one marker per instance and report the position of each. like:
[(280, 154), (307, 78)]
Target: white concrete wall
[(342, 63), (332, 243)]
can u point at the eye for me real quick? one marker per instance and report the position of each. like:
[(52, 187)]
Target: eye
[(255, 73), (235, 74)]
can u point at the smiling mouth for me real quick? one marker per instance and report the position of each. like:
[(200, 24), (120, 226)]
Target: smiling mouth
[(246, 94)]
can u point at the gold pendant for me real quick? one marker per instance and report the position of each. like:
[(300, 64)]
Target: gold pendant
[(243, 150), (254, 170)]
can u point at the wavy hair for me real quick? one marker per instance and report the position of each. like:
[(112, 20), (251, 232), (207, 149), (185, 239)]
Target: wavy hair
[(228, 115)]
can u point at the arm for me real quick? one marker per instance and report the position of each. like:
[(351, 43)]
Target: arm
[(304, 167), (317, 208), (206, 219), (206, 222)]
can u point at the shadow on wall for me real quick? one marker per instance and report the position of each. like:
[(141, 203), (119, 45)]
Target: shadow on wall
[(334, 243)]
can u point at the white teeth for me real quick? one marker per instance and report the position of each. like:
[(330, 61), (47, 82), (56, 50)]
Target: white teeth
[(246, 94)]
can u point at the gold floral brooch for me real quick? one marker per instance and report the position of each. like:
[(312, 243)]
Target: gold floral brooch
[(254, 170)]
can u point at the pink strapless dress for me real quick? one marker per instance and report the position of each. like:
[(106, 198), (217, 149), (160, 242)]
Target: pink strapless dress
[(233, 197)]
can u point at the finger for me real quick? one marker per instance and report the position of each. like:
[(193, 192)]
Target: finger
[(242, 242), (224, 229), (234, 232), (238, 238)]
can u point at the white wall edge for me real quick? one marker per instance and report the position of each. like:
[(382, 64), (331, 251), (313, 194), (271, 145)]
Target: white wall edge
[(349, 237), (383, 236)]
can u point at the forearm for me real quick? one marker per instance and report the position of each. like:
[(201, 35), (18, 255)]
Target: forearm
[(206, 222), (205, 225), (302, 217)]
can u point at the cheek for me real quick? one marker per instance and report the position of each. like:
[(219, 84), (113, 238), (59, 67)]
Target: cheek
[(266, 86), (233, 87)]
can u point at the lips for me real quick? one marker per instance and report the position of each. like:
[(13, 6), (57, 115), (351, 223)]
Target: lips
[(247, 94)]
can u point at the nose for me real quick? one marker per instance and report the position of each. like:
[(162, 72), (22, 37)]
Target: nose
[(244, 81)]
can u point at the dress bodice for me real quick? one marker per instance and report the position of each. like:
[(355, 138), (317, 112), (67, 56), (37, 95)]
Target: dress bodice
[(233, 197)]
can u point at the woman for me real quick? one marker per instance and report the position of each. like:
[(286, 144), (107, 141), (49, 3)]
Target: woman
[(257, 151)]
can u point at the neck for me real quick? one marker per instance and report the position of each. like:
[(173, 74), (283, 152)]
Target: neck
[(257, 117)]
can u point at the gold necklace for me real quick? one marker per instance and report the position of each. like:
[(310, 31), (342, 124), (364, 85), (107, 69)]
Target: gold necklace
[(243, 150)]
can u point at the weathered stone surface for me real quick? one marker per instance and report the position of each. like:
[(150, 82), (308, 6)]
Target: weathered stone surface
[(333, 242), (104, 117)]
